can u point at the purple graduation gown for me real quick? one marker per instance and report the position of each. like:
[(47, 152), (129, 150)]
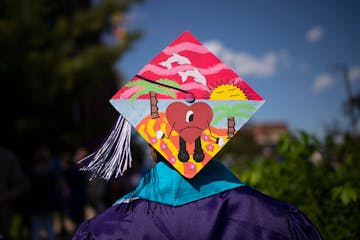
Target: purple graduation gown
[(213, 205), (240, 213)]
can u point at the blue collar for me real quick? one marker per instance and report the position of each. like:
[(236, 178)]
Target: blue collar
[(163, 184)]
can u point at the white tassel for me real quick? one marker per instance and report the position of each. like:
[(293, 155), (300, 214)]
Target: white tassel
[(113, 156)]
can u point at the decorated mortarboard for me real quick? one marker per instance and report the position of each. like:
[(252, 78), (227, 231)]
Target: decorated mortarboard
[(185, 102)]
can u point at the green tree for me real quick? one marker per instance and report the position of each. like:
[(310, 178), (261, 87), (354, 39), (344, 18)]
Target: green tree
[(56, 72), (327, 189), (150, 88), (230, 112)]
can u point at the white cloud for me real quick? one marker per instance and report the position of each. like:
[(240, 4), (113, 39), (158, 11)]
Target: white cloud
[(354, 73), (323, 82), (315, 34), (247, 64)]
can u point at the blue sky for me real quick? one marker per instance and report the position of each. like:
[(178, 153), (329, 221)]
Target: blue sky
[(283, 49)]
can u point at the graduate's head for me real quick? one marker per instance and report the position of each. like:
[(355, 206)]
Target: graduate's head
[(197, 104), (156, 156)]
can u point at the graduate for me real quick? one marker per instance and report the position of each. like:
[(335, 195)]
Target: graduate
[(187, 104)]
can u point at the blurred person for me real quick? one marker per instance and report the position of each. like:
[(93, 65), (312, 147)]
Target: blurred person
[(44, 197), (187, 194), (77, 183), (13, 185)]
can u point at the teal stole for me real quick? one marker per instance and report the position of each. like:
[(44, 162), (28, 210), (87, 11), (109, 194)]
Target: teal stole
[(164, 184)]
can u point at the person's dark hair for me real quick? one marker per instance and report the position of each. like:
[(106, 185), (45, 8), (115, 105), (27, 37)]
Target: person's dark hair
[(157, 157)]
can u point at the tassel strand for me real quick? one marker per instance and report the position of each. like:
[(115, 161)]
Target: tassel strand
[(113, 156)]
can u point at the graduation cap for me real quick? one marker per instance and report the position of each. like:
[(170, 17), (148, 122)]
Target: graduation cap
[(185, 102)]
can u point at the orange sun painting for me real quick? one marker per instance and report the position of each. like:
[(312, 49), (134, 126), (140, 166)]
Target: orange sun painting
[(227, 91)]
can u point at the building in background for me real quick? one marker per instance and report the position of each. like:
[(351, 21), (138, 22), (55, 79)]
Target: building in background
[(267, 135)]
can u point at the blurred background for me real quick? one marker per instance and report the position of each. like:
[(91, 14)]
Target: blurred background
[(61, 61)]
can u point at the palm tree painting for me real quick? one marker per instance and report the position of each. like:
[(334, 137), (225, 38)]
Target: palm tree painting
[(230, 112), (152, 88)]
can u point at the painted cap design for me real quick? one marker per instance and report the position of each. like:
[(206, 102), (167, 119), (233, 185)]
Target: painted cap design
[(187, 104)]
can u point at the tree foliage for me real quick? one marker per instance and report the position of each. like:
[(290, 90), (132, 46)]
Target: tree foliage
[(55, 70), (322, 179)]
